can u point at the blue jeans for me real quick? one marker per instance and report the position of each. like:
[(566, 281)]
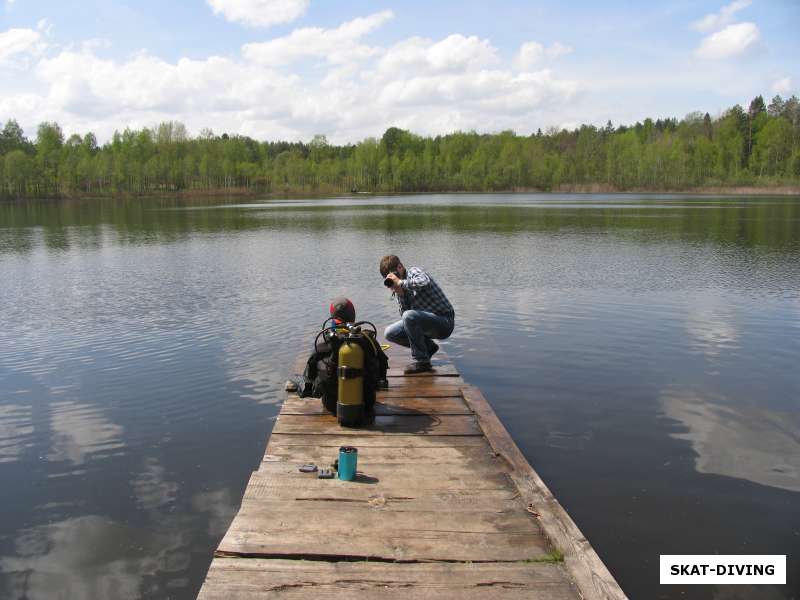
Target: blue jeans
[(416, 329)]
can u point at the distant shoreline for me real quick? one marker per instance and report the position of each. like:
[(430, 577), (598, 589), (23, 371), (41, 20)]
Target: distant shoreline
[(782, 190), (737, 190)]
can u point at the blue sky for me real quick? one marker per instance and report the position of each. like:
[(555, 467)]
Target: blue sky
[(292, 68)]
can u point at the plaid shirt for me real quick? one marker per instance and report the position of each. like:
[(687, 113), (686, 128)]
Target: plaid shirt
[(423, 293)]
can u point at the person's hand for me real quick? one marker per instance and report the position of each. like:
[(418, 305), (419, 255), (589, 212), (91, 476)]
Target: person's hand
[(396, 287)]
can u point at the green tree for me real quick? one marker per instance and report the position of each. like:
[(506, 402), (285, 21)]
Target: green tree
[(773, 147), (13, 138), (18, 172), (49, 141)]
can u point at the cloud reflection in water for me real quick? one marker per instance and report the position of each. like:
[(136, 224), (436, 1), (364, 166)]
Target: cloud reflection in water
[(16, 429), (89, 557), (749, 443), (80, 430)]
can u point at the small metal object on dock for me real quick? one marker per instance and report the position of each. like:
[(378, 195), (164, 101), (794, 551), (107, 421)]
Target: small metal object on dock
[(445, 505)]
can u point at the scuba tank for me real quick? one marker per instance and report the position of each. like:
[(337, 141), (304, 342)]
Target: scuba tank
[(350, 410), (345, 370)]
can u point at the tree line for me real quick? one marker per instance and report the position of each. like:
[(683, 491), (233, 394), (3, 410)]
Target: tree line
[(757, 146)]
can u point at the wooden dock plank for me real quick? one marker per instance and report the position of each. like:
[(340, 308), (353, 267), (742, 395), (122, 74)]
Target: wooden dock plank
[(247, 579), (420, 424), (273, 519), (477, 469), (404, 405), (439, 370), (387, 543), (465, 456), (432, 391), (394, 485), (460, 501), (426, 381), (376, 441)]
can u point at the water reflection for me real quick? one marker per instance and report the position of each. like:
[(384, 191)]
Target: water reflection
[(80, 431), (767, 223), (711, 325), (745, 442), (89, 557), (151, 487), (16, 428), (218, 507)]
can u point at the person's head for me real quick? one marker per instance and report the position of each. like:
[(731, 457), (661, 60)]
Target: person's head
[(342, 310), (391, 264)]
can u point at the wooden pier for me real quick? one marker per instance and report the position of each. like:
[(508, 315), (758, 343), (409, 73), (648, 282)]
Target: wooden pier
[(444, 506)]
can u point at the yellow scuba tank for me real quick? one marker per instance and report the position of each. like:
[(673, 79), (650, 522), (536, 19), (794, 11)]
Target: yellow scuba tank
[(350, 374)]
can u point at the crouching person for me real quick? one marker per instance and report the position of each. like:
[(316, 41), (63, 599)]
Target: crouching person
[(427, 314)]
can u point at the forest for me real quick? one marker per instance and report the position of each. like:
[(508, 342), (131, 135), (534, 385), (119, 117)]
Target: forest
[(759, 146)]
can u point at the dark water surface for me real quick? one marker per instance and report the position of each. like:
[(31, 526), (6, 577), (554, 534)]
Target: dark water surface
[(643, 351)]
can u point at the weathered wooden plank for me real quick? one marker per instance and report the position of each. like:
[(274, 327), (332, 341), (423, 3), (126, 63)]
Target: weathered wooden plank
[(449, 405), (439, 455), (427, 493), (477, 470), (590, 573), (375, 441), (461, 501), (399, 390), (279, 519), (428, 382), (385, 544), (381, 425), (396, 486), (246, 579), (439, 370)]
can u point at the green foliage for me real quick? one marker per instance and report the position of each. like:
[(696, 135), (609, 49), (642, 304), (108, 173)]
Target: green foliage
[(556, 556), (759, 146), (12, 138)]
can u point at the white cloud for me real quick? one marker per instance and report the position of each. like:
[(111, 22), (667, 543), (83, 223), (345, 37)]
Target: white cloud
[(260, 13), (715, 21), (532, 53), (44, 26), (420, 56), (146, 82), (558, 49), (339, 45), (356, 90), (782, 86), (732, 41), (17, 42)]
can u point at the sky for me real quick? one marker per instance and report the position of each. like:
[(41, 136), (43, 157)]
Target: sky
[(291, 69)]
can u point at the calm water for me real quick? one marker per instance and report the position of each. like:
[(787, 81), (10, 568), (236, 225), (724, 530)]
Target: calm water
[(643, 351)]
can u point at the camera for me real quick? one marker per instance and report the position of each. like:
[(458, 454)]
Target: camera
[(388, 281)]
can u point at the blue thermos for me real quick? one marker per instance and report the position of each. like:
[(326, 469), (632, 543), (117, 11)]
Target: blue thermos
[(348, 461)]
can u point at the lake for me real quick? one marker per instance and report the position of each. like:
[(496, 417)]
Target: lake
[(642, 350)]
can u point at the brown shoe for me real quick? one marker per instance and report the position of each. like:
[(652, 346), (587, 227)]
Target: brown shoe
[(418, 367)]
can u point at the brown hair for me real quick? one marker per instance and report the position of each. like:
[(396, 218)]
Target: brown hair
[(389, 264)]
